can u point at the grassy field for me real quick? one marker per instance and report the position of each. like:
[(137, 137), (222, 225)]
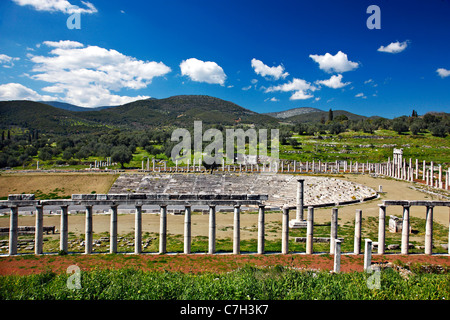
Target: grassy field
[(362, 147), (247, 283), (351, 146)]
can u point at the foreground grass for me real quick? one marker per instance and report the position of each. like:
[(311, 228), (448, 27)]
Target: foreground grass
[(247, 283)]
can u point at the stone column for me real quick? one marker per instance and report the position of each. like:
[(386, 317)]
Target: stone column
[(424, 170), (367, 254), (64, 230), (431, 173), (429, 231), (187, 229), (448, 231), (236, 231), (417, 169), (113, 230), (310, 230), (212, 230), (261, 230), (163, 229), (333, 232), (405, 230), (13, 230), (88, 231), (300, 191), (38, 231), (440, 177), (381, 228), (138, 229), (357, 239), (285, 230), (337, 256)]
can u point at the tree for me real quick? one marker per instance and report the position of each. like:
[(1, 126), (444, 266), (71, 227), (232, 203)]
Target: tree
[(439, 130), (211, 166), (414, 114), (414, 128), (121, 154), (330, 115), (399, 126)]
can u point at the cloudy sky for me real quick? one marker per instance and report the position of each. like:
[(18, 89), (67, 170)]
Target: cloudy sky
[(263, 55)]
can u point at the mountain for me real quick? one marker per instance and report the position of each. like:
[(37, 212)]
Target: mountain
[(72, 107), (292, 112), (317, 116), (305, 114), (42, 117), (173, 111), (179, 111)]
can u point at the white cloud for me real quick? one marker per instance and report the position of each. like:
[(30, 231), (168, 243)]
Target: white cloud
[(264, 70), (394, 47), (16, 91), (299, 86), (247, 88), (361, 95), (334, 82), (272, 99), (7, 61), (86, 75), (443, 73), (63, 6), (337, 63), (64, 44), (203, 71)]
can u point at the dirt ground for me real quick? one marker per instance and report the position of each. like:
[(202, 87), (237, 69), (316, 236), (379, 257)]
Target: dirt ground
[(65, 184)]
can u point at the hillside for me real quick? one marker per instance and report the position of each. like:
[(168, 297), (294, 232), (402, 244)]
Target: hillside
[(42, 117), (173, 111), (292, 112), (316, 116), (71, 107)]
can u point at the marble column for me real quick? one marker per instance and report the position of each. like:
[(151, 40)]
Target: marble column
[(163, 229), (310, 230), (405, 230), (88, 231), (367, 255), (285, 230), (13, 230), (381, 228), (212, 230), (357, 239), (113, 229), (236, 231), (300, 192), (138, 229), (187, 230), (64, 230), (334, 226), (429, 231), (261, 230), (337, 256)]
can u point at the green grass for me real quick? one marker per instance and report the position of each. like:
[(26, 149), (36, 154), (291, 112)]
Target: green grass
[(247, 283)]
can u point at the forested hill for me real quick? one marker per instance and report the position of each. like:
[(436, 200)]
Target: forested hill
[(173, 111)]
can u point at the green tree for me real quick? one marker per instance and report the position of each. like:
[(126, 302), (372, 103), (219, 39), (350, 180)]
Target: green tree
[(121, 154), (330, 115), (399, 126)]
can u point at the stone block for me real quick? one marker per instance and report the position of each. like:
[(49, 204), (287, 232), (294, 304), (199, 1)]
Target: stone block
[(21, 197), (102, 197)]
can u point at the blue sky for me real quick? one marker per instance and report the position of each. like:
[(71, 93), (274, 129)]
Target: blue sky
[(263, 55)]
